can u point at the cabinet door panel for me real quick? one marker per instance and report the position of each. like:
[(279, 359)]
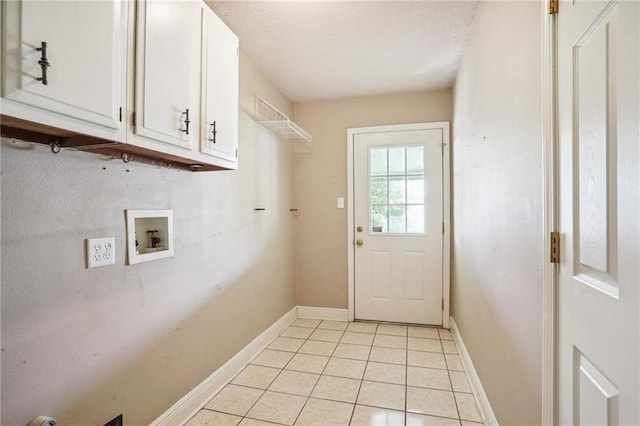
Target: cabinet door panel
[(220, 56), (168, 71), (86, 48)]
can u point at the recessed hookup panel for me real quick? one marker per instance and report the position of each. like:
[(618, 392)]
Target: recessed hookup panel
[(149, 235)]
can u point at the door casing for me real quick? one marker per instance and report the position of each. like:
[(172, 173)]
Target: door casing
[(550, 214), (446, 202)]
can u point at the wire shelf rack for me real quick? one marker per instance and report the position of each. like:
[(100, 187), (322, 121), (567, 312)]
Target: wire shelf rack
[(271, 118)]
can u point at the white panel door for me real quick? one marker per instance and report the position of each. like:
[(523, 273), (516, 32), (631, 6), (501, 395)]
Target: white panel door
[(599, 359), (168, 71), (220, 89), (398, 223), (84, 57)]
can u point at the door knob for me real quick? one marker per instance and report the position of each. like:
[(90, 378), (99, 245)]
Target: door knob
[(359, 229), (359, 242)]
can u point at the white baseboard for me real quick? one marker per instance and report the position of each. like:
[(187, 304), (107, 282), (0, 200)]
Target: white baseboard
[(192, 402), (312, 312), (474, 380)]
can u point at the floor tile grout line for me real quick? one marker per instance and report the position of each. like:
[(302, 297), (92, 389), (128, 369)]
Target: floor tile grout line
[(319, 376), (362, 379), (287, 393), (252, 405), (281, 369), (326, 375), (406, 378), (328, 361), (464, 372), (267, 421), (400, 411), (381, 408), (351, 378), (455, 400), (264, 391), (331, 400), (448, 375), (297, 352)]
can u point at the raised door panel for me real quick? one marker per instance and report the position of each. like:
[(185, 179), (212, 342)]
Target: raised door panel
[(596, 165), (220, 103), (85, 51), (168, 72)]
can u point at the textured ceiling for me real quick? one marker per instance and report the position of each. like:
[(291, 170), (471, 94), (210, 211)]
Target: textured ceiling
[(333, 49)]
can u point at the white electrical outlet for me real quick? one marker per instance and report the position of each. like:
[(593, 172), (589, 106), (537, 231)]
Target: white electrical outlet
[(101, 252)]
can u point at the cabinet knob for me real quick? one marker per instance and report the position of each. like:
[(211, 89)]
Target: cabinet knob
[(43, 62), (214, 132), (186, 122)]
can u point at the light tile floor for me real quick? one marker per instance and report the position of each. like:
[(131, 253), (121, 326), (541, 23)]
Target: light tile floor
[(338, 373)]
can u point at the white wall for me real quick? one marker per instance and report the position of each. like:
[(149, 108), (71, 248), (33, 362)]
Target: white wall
[(497, 203), (86, 345)]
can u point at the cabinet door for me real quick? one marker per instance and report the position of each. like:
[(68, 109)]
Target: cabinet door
[(86, 44), (220, 79), (168, 71)]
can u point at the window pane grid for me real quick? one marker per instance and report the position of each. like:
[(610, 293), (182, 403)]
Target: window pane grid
[(397, 189)]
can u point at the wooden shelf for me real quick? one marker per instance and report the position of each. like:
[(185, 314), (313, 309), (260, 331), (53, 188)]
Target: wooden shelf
[(28, 131)]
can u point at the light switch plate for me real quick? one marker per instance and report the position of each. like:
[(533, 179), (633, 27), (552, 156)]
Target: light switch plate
[(100, 252), (341, 202)]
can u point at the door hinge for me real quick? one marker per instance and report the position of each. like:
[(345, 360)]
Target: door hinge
[(443, 227), (236, 152), (443, 304), (120, 114), (133, 118), (554, 256), (554, 5)]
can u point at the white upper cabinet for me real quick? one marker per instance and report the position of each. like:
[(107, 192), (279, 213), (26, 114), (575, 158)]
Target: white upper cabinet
[(167, 83), (220, 89), (66, 58), (157, 77)]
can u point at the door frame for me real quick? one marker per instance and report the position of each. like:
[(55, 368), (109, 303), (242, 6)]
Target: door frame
[(550, 214), (446, 208)]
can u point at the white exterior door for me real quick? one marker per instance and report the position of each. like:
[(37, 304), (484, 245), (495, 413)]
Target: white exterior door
[(598, 91), (398, 225)]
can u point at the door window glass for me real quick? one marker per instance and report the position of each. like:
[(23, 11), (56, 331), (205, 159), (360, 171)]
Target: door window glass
[(396, 190)]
